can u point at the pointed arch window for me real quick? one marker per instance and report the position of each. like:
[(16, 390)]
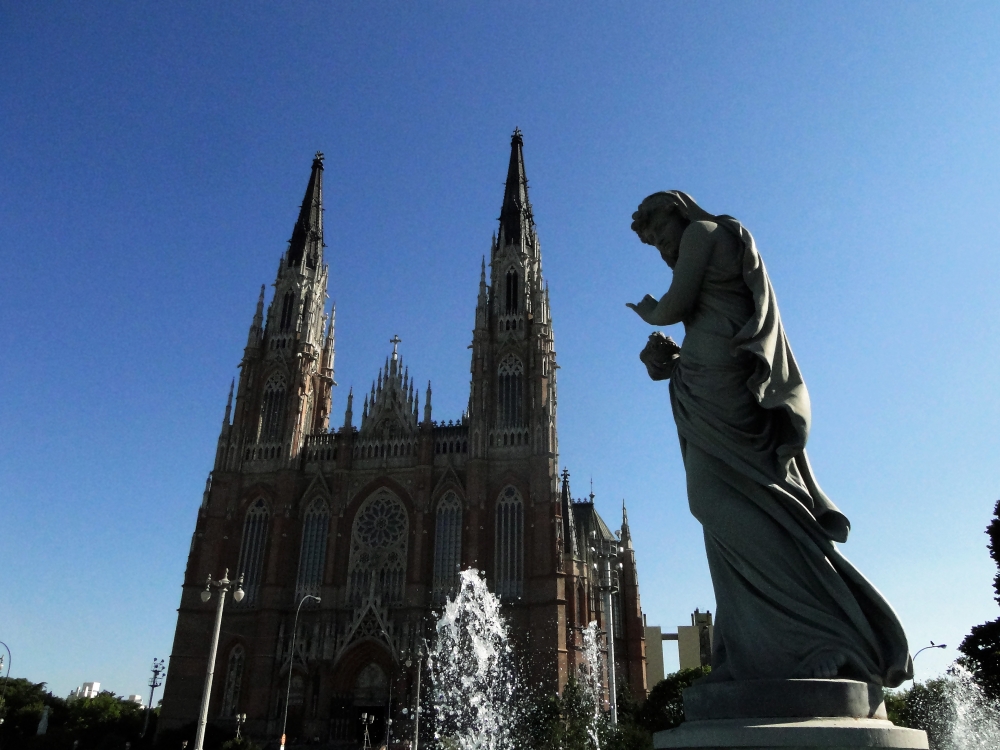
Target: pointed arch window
[(510, 380), (447, 546), (234, 680), (510, 545), (272, 409), (312, 554), (512, 289), (252, 551), (379, 541), (287, 312)]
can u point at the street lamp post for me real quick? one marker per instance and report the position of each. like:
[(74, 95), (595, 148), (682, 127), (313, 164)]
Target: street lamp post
[(154, 682), (933, 645), (388, 716), (367, 720), (920, 651), (241, 719), (416, 711), (291, 658), (3, 694), (223, 588), (606, 571)]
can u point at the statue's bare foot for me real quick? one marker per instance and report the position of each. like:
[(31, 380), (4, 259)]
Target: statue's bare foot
[(823, 665)]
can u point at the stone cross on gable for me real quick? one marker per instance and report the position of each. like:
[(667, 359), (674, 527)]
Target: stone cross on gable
[(395, 341)]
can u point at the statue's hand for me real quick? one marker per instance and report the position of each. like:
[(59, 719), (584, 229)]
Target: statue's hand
[(660, 356), (645, 308)]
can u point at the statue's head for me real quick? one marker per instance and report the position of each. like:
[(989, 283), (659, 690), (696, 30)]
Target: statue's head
[(660, 221)]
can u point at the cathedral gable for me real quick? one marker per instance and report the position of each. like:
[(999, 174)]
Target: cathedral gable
[(390, 410)]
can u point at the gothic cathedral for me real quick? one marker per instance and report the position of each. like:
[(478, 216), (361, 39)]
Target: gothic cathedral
[(377, 517)]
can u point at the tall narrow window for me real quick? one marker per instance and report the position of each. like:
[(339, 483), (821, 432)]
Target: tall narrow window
[(510, 376), (378, 549), (312, 555), (272, 409), (234, 679), (287, 311), (447, 546), (252, 551), (510, 545), (513, 293)]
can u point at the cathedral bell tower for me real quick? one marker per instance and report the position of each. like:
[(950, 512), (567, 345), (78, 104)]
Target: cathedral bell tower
[(286, 374), (512, 400)]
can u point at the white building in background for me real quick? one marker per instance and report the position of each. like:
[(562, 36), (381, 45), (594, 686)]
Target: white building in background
[(137, 699), (88, 690)]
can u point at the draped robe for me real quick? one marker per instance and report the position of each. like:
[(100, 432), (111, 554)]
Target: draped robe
[(785, 594)]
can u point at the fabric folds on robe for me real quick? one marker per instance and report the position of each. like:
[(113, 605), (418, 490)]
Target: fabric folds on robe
[(785, 594)]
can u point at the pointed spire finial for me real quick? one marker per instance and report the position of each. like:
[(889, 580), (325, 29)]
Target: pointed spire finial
[(591, 489), (229, 403), (395, 341), (625, 532), (349, 412), (307, 236), (331, 325), (516, 220)]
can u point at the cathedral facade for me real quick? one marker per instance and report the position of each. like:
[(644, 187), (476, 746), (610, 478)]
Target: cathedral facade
[(362, 524)]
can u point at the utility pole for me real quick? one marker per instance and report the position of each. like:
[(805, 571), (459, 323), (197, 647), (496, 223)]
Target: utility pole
[(154, 682)]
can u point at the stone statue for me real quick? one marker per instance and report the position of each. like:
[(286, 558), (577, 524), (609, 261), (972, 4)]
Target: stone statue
[(789, 604)]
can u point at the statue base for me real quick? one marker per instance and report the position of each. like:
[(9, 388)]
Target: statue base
[(803, 714)]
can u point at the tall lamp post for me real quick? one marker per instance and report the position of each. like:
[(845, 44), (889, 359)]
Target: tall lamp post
[(416, 710), (606, 571), (3, 694), (367, 720), (223, 588), (291, 657), (920, 651), (154, 682)]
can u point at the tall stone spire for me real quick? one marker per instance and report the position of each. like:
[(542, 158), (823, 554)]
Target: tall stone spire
[(626, 532), (307, 236), (229, 406), (257, 326), (516, 220)]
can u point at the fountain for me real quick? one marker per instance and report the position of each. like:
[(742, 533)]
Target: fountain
[(474, 685), (590, 678), (479, 704), (954, 711)]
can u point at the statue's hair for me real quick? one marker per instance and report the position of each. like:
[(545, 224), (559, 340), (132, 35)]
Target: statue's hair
[(658, 206)]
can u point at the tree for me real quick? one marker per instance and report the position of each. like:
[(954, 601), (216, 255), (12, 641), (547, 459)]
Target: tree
[(981, 648), (928, 706), (104, 719), (664, 709), (22, 708), (561, 722)]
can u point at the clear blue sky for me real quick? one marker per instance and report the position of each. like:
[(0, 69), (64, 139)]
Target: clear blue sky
[(153, 157)]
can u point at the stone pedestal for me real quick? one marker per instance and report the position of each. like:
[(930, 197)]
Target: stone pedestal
[(803, 714)]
